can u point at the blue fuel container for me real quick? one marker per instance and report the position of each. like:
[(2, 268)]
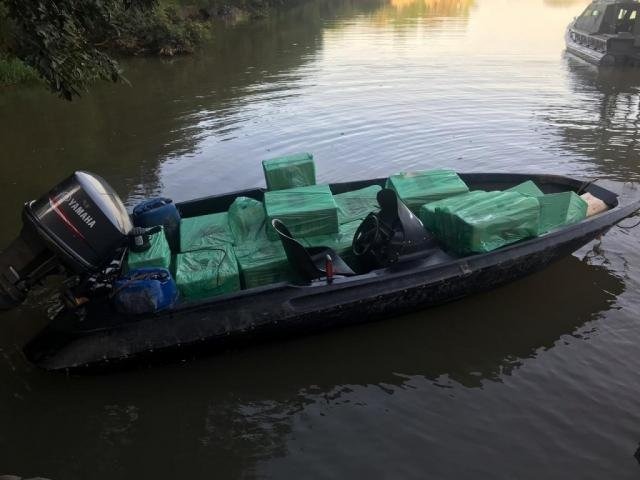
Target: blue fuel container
[(145, 290), (159, 211)]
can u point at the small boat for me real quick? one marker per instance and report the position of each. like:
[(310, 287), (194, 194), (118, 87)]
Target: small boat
[(607, 33), (89, 334)]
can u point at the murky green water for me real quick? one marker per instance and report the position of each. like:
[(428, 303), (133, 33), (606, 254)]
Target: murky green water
[(539, 379)]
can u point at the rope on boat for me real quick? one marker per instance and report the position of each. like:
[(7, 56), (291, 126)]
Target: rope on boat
[(629, 227), (586, 185)]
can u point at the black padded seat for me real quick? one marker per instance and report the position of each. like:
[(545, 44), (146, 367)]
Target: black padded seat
[(309, 263)]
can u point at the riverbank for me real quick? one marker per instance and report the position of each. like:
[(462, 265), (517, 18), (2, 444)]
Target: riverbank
[(173, 27)]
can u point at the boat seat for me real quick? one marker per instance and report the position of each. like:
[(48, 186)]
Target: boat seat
[(309, 263)]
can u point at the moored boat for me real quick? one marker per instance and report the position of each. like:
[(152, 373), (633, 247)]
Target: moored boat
[(411, 270), (607, 33)]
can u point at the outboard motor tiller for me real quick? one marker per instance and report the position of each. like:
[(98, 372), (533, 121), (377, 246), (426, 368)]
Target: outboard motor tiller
[(78, 226)]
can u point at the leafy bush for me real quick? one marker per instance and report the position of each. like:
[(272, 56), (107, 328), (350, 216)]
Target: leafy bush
[(68, 43), (58, 39), (159, 31)]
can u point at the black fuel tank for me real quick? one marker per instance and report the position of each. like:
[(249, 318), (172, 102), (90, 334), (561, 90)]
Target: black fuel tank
[(82, 220)]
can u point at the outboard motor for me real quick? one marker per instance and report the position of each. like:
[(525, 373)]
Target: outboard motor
[(385, 237), (76, 228)]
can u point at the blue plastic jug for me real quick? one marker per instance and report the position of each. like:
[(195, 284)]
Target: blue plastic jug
[(145, 290), (160, 211)]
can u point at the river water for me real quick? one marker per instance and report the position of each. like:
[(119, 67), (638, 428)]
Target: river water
[(538, 379)]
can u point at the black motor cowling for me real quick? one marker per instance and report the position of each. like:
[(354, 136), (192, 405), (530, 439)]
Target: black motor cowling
[(77, 227)]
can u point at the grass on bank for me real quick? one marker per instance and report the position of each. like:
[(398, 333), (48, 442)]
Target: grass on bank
[(13, 72)]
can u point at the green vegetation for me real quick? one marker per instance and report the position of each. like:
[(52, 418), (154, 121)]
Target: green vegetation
[(163, 30), (69, 44), (63, 41)]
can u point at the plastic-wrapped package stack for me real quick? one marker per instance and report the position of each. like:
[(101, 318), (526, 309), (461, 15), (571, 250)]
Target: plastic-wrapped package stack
[(357, 204), (527, 188), (417, 188), (158, 255), (205, 231), (485, 221), (306, 211), (556, 209), (247, 220), (560, 209), (289, 172), (427, 211), (262, 263), (433, 222), (205, 273)]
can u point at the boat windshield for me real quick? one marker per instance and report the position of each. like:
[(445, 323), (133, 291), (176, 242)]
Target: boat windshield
[(591, 18), (626, 19)]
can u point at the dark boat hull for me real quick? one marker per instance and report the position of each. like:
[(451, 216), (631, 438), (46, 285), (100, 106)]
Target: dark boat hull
[(589, 55), (598, 51), (105, 341)]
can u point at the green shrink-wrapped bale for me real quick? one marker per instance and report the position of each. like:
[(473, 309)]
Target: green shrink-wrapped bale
[(198, 233), (306, 211), (492, 220), (205, 273), (158, 255), (247, 220), (417, 188), (427, 212), (559, 209), (357, 204), (341, 242), (527, 188), (263, 263), (296, 170)]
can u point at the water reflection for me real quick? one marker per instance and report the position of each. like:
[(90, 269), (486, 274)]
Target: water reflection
[(470, 341), (565, 3), (430, 12), (430, 8), (234, 410), (602, 122)]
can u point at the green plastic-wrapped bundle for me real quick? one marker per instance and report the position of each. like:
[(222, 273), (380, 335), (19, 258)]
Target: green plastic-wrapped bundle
[(263, 263), (198, 233), (158, 255), (306, 211), (427, 212), (527, 188), (492, 220), (247, 220), (357, 204), (206, 273), (417, 188), (341, 242), (288, 172), (559, 209)]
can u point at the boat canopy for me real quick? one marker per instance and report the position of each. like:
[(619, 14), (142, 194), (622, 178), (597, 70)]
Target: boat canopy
[(610, 17)]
